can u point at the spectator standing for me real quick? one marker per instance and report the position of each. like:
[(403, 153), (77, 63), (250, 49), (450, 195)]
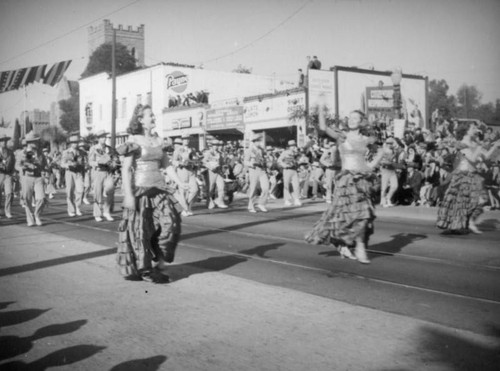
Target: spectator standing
[(255, 160), (316, 63), (301, 82), (289, 164)]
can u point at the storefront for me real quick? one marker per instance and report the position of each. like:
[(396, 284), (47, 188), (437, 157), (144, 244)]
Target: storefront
[(281, 117), (166, 87)]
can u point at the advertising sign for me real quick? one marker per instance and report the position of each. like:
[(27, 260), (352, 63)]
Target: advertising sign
[(274, 109), (321, 88), (379, 100), (177, 81), (225, 118)]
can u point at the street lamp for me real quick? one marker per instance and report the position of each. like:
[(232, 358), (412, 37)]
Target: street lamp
[(396, 78)]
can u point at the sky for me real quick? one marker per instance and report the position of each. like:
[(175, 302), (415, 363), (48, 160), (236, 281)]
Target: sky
[(455, 40)]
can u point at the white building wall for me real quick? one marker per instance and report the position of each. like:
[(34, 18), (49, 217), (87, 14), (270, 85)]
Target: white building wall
[(130, 87)]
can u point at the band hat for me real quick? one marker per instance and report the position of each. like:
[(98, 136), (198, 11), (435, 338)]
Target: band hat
[(315, 163), (74, 138), (4, 138), (292, 143), (32, 137), (269, 148), (45, 149), (178, 141), (101, 133), (219, 143)]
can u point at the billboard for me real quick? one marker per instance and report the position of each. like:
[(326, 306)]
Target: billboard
[(225, 118), (321, 90), (372, 92)]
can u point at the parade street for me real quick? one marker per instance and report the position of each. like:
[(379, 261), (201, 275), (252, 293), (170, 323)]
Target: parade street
[(247, 293)]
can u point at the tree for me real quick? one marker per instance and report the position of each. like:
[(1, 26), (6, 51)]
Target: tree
[(469, 99), (70, 116), (100, 60), (16, 138), (440, 100), (242, 69)]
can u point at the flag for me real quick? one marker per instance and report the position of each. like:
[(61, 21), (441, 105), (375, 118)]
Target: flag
[(56, 73), (33, 74), (15, 79)]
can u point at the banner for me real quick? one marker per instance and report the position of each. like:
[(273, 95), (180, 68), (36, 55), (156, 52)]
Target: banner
[(15, 79)]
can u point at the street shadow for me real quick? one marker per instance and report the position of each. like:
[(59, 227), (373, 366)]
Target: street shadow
[(395, 245), (12, 346), (57, 261), (215, 264), (261, 251), (5, 304), (244, 225), (63, 357), (16, 317), (454, 352), (143, 364), (489, 224)]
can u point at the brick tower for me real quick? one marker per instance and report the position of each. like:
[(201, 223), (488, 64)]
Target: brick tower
[(132, 39)]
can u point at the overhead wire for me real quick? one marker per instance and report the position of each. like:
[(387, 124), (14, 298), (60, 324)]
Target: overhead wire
[(69, 32), (297, 11)]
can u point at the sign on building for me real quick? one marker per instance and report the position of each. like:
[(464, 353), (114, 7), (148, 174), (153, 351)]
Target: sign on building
[(225, 118)]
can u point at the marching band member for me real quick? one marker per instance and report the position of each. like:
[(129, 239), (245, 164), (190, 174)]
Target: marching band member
[(33, 163), (102, 160), (183, 162), (255, 160), (288, 161), (212, 160), (7, 163), (331, 161), (73, 161)]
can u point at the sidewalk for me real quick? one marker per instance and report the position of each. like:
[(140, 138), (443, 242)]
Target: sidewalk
[(64, 304)]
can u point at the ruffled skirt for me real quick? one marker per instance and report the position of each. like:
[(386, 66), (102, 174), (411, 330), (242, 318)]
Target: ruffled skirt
[(351, 213), (464, 200), (148, 233)]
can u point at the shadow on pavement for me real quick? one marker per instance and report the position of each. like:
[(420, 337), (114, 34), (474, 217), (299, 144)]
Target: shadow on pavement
[(243, 225), (5, 304), (13, 346), (143, 364), (261, 251), (16, 317), (56, 261), (215, 264), (63, 357), (457, 353), (395, 245), (489, 224)]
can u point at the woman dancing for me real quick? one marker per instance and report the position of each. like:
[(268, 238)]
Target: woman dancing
[(151, 224), (348, 221), (466, 195)]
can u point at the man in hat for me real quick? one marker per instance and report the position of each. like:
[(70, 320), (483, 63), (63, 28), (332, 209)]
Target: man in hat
[(103, 161), (255, 160), (391, 162), (7, 163), (212, 160), (288, 162), (73, 161), (88, 180), (185, 168), (330, 159), (32, 163), (412, 184)]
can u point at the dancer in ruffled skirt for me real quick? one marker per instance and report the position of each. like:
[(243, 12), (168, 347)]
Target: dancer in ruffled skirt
[(466, 195), (151, 223), (348, 221)]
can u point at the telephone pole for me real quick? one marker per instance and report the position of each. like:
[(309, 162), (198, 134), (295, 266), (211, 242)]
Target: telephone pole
[(113, 91)]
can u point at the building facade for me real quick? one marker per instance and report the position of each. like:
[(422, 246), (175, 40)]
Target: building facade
[(132, 39), (181, 98)]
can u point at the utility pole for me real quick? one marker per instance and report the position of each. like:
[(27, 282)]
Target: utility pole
[(113, 91)]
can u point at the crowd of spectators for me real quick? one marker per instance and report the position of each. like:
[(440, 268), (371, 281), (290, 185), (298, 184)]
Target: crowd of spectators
[(416, 174)]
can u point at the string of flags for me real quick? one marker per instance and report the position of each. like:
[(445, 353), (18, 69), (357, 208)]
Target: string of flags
[(15, 79)]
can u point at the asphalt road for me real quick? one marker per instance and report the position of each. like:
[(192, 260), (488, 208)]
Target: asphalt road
[(416, 270)]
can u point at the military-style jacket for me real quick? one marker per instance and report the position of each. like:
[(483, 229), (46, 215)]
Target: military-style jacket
[(102, 158), (32, 163), (7, 161), (212, 161), (74, 160), (288, 159), (255, 157)]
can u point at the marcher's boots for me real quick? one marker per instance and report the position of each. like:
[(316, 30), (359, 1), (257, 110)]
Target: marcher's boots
[(360, 253)]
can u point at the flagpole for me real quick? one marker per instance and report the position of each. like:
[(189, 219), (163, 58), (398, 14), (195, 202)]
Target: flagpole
[(113, 93)]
